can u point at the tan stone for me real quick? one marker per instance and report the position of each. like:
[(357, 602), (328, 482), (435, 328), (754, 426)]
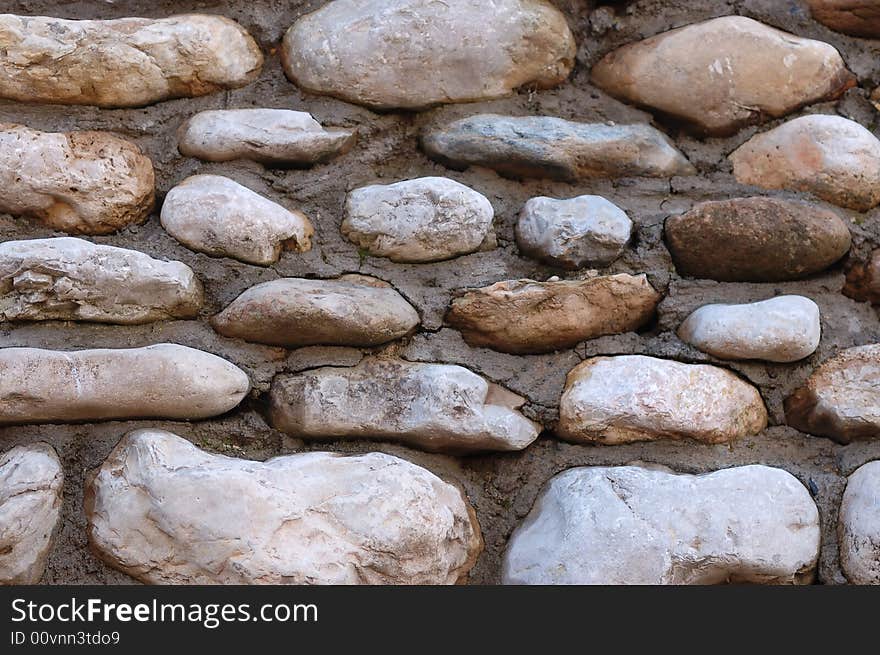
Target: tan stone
[(832, 157), (841, 399), (31, 481), (166, 512), (127, 62), (524, 316), (160, 381), (721, 74), (78, 182), (855, 17), (414, 54), (625, 398), (68, 279), (354, 310)]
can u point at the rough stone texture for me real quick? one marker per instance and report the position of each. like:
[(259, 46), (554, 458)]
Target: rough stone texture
[(554, 148), (414, 54), (275, 137), (573, 233), (615, 400), (166, 512), (424, 220), (354, 310), (841, 399), (524, 316), (161, 381), (83, 182), (129, 62), (756, 240), (722, 74), (781, 329), (858, 526), (633, 525), (31, 482), (218, 216), (68, 279), (863, 279), (437, 407), (833, 158), (855, 17)]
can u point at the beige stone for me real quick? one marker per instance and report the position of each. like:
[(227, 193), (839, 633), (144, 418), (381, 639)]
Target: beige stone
[(721, 74), (422, 220), (270, 136), (31, 483), (127, 62), (841, 399), (633, 525), (832, 157), (524, 316), (413, 54), (220, 217), (437, 407), (166, 512), (855, 17), (68, 279), (160, 381), (858, 526), (354, 310), (78, 182), (625, 398)]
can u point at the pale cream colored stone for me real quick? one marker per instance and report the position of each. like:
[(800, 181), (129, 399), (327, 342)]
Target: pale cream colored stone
[(78, 182), (269, 136), (437, 407), (633, 525), (524, 316), (724, 73), (625, 398), (68, 279), (160, 381), (166, 512), (127, 62), (832, 157), (858, 526), (220, 217), (31, 483), (414, 54)]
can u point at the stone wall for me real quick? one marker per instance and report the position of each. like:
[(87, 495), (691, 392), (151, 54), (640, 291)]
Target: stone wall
[(501, 487)]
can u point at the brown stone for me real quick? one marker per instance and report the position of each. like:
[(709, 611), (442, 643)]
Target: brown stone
[(863, 279), (524, 316), (755, 240), (721, 74), (855, 17), (841, 399)]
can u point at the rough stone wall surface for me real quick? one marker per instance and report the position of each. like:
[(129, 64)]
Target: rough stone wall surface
[(501, 487)]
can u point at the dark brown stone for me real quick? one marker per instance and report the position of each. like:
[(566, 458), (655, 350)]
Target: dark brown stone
[(863, 280), (855, 17), (756, 240)]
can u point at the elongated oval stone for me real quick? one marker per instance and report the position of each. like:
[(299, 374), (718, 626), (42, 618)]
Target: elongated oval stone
[(427, 219), (756, 240), (220, 217), (127, 62), (31, 482), (855, 17), (161, 381), (858, 526), (524, 316), (781, 329), (68, 279), (625, 398), (832, 157), (721, 74), (549, 147), (841, 399), (354, 310), (166, 512), (413, 54), (269, 136), (78, 182), (633, 525), (437, 407)]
